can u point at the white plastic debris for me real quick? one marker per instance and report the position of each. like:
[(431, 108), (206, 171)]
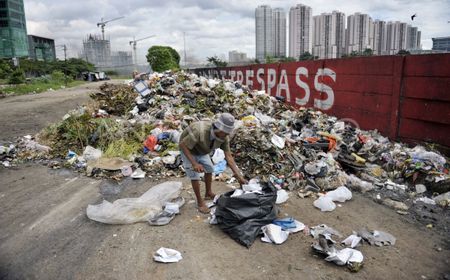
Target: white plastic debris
[(358, 184), (218, 156), (133, 210), (345, 256), (315, 167), (126, 171), (419, 153), (169, 159), (352, 241), (138, 174), (325, 204), (264, 119), (33, 145), (282, 196), (274, 234), (167, 255), (425, 200), (421, 188), (299, 227), (91, 154), (445, 197), (253, 185), (278, 141), (340, 194)]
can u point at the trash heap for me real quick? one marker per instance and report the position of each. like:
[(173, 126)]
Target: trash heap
[(295, 149)]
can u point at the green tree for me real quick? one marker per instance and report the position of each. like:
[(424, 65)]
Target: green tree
[(354, 53), (161, 58), (270, 59), (17, 77), (5, 69), (367, 52), (403, 52), (214, 60), (287, 59), (306, 56), (175, 55)]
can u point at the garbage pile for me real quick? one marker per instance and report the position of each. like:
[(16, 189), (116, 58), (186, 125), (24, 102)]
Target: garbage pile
[(300, 150)]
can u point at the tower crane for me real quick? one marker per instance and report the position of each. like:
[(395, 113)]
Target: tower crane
[(133, 43), (102, 24)]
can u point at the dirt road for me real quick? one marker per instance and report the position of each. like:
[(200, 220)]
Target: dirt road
[(45, 234)]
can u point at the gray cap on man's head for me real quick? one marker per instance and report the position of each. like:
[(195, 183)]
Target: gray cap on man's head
[(225, 123)]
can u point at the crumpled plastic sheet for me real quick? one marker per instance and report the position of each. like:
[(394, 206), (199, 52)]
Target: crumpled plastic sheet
[(133, 210), (377, 237), (167, 255)]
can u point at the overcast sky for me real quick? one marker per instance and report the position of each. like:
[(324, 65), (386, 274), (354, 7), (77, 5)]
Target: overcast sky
[(212, 27)]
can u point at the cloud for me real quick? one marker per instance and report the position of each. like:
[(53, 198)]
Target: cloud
[(211, 27)]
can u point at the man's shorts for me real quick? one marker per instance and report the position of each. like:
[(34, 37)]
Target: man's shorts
[(204, 160)]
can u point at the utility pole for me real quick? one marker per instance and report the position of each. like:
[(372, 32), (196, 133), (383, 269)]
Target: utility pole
[(65, 65), (185, 59), (64, 47)]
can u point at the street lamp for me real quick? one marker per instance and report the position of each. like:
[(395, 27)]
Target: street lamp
[(14, 59)]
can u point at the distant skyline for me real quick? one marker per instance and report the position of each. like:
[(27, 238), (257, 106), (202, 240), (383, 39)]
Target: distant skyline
[(212, 27)]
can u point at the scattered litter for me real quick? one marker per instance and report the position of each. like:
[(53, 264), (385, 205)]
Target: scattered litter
[(376, 237), (167, 255)]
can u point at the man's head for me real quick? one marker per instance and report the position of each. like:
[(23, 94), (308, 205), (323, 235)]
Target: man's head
[(224, 125)]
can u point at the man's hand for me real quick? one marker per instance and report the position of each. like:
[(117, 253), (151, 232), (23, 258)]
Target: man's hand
[(198, 168), (241, 180)]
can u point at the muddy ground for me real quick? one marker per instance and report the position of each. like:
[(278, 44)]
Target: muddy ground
[(45, 234)]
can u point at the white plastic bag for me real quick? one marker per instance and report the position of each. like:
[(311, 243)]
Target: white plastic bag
[(218, 156), (282, 196), (325, 204), (133, 210), (278, 141), (91, 154), (167, 255), (340, 194), (274, 234)]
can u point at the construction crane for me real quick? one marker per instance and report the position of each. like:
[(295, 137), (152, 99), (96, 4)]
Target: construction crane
[(133, 43), (102, 23)]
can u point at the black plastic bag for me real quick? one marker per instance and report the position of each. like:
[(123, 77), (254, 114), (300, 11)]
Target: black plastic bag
[(243, 216)]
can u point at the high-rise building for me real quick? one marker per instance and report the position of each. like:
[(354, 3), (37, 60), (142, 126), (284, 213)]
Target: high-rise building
[(328, 35), (13, 29), (359, 33), (235, 57), (413, 38), (441, 44), (264, 32), (97, 51), (279, 32), (396, 36), (40, 48), (379, 38), (300, 30)]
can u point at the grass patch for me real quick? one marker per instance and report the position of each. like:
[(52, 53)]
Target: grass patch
[(122, 148), (37, 87)]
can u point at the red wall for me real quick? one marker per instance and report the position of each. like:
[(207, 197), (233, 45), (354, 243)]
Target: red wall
[(405, 97)]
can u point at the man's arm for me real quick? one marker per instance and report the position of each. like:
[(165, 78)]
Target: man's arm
[(195, 165), (230, 160)]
